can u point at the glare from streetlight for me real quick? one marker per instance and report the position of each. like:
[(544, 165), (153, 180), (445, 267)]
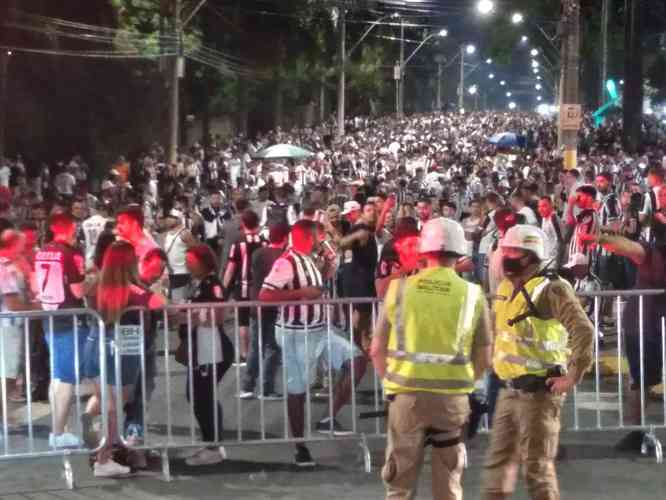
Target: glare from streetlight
[(524, 39), (485, 7), (535, 64), (538, 77), (509, 94), (621, 82), (535, 71), (491, 76), (473, 89), (503, 83), (538, 86), (539, 98), (534, 52), (489, 61), (512, 105), (395, 15), (517, 18), (470, 49), (443, 33)]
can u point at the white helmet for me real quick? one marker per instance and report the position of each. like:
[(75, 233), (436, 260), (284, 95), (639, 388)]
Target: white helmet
[(526, 237), (443, 235)]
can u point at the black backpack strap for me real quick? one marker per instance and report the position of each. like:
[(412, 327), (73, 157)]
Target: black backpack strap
[(532, 311)]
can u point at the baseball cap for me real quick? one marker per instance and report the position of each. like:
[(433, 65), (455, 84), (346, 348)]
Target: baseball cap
[(351, 206)]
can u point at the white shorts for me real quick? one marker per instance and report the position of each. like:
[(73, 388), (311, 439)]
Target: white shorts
[(11, 337), (300, 363)]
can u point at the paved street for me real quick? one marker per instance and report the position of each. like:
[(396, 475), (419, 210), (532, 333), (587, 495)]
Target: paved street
[(591, 469)]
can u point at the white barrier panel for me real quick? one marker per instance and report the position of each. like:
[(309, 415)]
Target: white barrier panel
[(24, 434)]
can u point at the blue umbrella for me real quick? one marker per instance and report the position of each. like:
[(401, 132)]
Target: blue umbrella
[(505, 140)]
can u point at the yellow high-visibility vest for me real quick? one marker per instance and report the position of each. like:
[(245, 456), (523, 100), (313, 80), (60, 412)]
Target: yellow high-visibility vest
[(527, 347), (433, 317)]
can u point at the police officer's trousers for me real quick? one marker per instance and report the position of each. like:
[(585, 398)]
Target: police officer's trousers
[(416, 420), (525, 432)]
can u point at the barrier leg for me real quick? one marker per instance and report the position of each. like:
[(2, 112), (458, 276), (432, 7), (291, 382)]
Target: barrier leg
[(166, 467), (68, 472), (367, 457), (651, 441)]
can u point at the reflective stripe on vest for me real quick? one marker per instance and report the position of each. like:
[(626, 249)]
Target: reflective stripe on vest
[(422, 383), (449, 370), (465, 321), (532, 345)]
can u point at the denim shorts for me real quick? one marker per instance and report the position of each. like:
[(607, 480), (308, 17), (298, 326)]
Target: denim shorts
[(300, 360), (130, 365), (63, 351)]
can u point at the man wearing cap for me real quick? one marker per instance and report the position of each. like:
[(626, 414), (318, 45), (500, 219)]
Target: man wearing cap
[(177, 240), (543, 347), (431, 343)]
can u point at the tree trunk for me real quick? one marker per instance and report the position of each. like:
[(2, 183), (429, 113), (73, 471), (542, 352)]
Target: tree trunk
[(633, 80)]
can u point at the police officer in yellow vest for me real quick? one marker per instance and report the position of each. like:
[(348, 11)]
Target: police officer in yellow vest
[(543, 347), (432, 341)]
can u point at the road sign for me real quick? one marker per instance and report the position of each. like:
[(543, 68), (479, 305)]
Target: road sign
[(570, 116), (396, 72)]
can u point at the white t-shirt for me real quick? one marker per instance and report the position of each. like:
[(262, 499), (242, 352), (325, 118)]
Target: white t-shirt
[(530, 217), (92, 228), (5, 175), (64, 183)]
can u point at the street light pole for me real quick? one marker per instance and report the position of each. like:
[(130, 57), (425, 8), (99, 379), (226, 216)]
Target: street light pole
[(401, 93), (461, 89), (605, 15), (569, 86), (439, 86), (174, 101), (343, 76)]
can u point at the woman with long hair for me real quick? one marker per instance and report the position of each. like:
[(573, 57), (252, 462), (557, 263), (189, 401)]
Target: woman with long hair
[(118, 289), (212, 353)]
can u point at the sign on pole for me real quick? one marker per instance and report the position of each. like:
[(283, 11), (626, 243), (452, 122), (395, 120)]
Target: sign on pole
[(396, 72), (570, 116)]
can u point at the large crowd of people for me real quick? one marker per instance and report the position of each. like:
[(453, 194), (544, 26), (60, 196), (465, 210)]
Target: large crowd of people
[(220, 225)]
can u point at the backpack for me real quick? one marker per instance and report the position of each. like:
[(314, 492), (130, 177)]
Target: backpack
[(277, 214)]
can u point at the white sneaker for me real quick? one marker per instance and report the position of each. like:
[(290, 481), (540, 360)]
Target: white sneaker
[(64, 440), (207, 457), (246, 395), (110, 469)]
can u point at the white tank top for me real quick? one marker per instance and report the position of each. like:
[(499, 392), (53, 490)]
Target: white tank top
[(175, 248)]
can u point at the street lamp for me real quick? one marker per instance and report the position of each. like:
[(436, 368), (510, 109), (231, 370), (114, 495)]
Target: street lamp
[(491, 76), (534, 52), (517, 18), (470, 49), (535, 71), (538, 77), (512, 105), (538, 98), (524, 39), (538, 86), (485, 7), (535, 64), (503, 83), (509, 94), (489, 61), (400, 99), (473, 89)]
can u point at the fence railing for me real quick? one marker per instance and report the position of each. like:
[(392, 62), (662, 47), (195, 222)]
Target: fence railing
[(206, 400)]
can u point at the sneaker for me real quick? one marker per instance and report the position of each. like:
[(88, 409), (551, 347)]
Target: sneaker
[(110, 469), (303, 457), (89, 435), (246, 395), (65, 440), (324, 427), (632, 442), (206, 456), (272, 396)]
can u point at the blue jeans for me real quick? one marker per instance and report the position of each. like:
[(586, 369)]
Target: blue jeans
[(270, 351)]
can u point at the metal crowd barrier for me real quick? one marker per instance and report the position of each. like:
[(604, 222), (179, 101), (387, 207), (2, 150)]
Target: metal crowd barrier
[(169, 422), (31, 440), (612, 401), (175, 418)]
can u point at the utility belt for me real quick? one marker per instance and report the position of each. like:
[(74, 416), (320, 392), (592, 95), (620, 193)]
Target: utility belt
[(532, 383)]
